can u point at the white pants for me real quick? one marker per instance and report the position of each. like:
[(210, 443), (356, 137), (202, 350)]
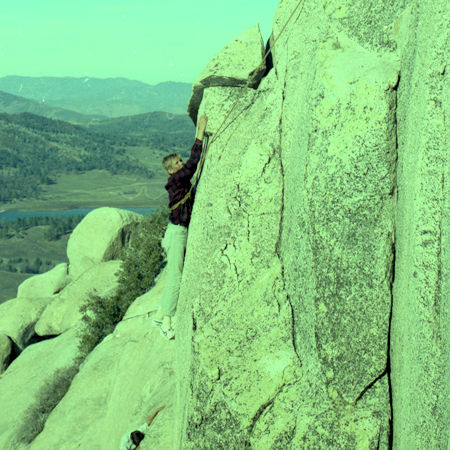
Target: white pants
[(174, 244)]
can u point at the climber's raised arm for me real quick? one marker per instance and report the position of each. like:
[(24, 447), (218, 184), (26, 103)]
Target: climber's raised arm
[(201, 126)]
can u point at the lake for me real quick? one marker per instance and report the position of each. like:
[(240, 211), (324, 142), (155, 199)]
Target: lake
[(11, 215)]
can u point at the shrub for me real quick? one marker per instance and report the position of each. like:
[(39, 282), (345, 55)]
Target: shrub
[(142, 262), (47, 399)]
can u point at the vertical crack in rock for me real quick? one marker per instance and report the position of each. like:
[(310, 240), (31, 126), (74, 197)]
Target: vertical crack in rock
[(280, 228), (224, 254), (379, 440), (391, 275), (388, 362), (274, 150), (238, 197), (392, 278), (274, 290)]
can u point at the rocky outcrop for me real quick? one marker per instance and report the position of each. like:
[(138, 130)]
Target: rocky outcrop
[(420, 308), (232, 66), (99, 237), (64, 311), (122, 381), (18, 317), (312, 309), (35, 362), (24, 379), (298, 210), (45, 284), (5, 352)]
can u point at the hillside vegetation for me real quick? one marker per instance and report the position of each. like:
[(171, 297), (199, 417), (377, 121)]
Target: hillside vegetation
[(33, 149), (158, 130)]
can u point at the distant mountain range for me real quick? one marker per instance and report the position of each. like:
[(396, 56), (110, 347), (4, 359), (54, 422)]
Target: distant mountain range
[(95, 97), (145, 124)]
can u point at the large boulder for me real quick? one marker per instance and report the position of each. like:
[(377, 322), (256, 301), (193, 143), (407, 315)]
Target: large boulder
[(45, 284), (123, 380), (18, 317), (64, 311), (232, 66), (100, 236), (25, 379)]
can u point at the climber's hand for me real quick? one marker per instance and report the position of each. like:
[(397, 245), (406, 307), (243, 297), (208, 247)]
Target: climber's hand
[(202, 121)]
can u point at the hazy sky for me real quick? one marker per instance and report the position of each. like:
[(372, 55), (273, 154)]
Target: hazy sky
[(145, 40)]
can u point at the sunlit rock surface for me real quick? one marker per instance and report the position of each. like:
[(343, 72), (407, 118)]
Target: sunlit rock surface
[(64, 311), (232, 66), (44, 284), (100, 236)]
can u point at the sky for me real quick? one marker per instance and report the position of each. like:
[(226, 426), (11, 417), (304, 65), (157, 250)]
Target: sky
[(146, 40)]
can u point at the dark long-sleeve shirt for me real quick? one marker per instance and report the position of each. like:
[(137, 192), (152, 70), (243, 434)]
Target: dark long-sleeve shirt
[(178, 186)]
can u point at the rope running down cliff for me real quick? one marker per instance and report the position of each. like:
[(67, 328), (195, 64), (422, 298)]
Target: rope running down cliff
[(199, 168), (202, 159)]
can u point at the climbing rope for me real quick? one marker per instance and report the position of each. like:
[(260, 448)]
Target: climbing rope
[(202, 159), (249, 81)]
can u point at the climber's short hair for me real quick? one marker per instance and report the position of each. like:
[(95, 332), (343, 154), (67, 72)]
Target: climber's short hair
[(136, 437), (169, 160)]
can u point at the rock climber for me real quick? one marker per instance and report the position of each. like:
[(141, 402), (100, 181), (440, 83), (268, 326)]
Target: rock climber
[(174, 241), (132, 439)]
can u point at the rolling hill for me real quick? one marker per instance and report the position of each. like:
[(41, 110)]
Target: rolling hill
[(111, 97), (33, 149), (14, 104)]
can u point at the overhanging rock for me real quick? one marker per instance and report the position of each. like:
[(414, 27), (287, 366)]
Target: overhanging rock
[(232, 66)]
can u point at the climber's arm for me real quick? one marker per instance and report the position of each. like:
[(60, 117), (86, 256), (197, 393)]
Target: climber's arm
[(153, 415), (202, 121), (190, 167)]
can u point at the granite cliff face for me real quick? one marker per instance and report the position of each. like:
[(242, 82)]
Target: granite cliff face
[(322, 206), (312, 311)]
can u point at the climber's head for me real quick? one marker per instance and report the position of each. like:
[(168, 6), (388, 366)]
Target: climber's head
[(172, 163), (136, 437)]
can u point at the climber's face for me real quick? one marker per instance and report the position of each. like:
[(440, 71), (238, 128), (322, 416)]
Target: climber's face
[(176, 165)]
